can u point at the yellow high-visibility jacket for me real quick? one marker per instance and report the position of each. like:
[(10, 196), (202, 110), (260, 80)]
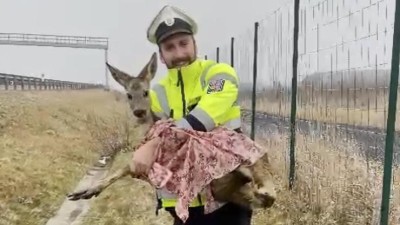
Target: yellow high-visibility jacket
[(200, 96)]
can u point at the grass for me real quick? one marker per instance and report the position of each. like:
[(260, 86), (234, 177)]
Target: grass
[(334, 185), (48, 140)]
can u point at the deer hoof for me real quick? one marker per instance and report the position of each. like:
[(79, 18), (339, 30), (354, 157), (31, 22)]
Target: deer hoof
[(84, 194)]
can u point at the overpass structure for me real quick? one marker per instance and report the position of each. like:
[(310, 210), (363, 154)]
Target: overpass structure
[(25, 39)]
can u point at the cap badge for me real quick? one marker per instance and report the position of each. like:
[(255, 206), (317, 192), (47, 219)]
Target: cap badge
[(169, 22)]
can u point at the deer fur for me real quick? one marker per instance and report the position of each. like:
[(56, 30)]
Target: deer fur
[(250, 187)]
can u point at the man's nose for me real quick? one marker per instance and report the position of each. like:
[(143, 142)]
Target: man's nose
[(180, 54)]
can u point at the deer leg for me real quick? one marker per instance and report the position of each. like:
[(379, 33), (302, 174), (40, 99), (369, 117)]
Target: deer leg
[(259, 193), (245, 196), (104, 183), (235, 187), (101, 185), (263, 180), (255, 189)]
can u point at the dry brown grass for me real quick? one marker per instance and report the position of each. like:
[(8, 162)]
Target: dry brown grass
[(334, 185), (47, 145), (47, 141)]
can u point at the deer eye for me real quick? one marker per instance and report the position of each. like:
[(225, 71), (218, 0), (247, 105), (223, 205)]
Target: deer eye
[(145, 93), (129, 96)]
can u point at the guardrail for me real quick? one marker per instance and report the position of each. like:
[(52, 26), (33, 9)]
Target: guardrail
[(18, 82)]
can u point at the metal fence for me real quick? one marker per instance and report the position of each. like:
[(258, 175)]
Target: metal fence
[(17, 82), (344, 88)]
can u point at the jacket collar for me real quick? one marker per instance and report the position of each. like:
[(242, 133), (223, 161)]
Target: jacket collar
[(190, 73)]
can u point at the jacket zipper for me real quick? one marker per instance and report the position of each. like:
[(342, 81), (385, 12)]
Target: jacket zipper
[(180, 82)]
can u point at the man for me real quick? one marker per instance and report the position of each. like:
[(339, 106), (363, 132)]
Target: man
[(198, 94)]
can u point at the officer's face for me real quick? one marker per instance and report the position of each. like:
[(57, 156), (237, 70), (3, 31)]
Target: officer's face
[(178, 50)]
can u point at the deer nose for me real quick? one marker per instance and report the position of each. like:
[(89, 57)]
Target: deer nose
[(139, 113)]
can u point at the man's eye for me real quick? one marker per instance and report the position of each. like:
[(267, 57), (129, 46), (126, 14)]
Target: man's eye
[(129, 96), (145, 93), (166, 47)]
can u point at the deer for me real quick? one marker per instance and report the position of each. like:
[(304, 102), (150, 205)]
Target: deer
[(248, 186)]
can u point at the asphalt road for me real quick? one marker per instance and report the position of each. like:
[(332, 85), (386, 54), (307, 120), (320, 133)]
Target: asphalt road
[(369, 141)]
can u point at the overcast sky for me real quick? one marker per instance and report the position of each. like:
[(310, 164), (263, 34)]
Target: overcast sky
[(124, 22)]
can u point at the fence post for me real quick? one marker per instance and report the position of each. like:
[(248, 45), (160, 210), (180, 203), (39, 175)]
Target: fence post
[(232, 51), (391, 119), (6, 82), (294, 95), (29, 83), (253, 99), (35, 83), (15, 82), (217, 56)]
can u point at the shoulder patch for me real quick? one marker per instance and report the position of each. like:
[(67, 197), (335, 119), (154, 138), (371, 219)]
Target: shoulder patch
[(215, 86)]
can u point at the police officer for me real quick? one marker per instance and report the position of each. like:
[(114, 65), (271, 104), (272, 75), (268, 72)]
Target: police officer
[(198, 94)]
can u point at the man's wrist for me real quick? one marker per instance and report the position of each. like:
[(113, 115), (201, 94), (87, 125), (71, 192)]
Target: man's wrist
[(183, 123)]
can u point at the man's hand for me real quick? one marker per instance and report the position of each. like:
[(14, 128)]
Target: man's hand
[(144, 157)]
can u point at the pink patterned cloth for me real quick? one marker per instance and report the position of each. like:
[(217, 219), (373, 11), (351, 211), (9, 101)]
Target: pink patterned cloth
[(189, 160)]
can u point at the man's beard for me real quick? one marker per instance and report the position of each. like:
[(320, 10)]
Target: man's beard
[(178, 63)]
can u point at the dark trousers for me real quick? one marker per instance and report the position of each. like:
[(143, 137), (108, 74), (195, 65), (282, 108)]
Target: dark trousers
[(229, 214)]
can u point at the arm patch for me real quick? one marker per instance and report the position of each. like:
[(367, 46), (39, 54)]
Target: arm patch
[(215, 86)]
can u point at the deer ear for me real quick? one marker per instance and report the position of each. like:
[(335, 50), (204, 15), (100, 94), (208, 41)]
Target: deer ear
[(121, 77), (149, 71)]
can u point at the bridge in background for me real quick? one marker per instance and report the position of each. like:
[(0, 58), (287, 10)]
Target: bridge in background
[(99, 43)]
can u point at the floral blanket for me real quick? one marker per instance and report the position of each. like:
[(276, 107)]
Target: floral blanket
[(189, 160)]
